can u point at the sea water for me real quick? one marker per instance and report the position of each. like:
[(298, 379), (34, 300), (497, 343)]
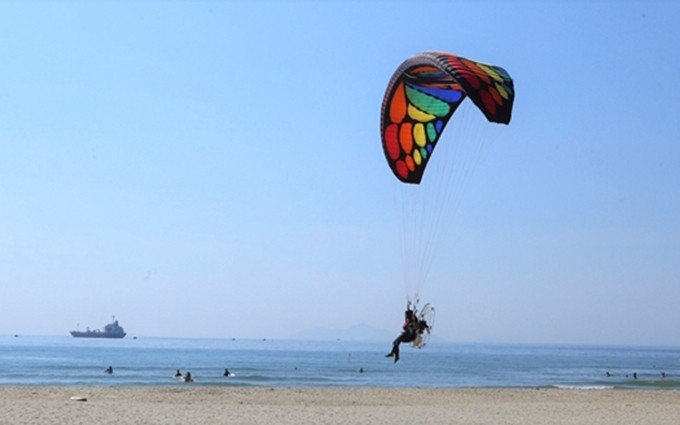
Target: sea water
[(63, 360)]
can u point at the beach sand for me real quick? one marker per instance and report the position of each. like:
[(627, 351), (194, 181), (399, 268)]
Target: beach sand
[(201, 405)]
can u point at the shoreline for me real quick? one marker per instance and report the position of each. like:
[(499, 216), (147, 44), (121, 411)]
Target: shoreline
[(257, 405)]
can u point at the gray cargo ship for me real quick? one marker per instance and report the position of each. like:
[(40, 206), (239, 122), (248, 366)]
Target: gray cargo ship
[(112, 330)]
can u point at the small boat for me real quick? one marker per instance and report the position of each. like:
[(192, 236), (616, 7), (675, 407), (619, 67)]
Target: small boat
[(112, 330)]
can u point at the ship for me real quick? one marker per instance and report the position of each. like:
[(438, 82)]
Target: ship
[(112, 330)]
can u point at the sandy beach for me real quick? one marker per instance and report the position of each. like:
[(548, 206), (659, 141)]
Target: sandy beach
[(201, 405)]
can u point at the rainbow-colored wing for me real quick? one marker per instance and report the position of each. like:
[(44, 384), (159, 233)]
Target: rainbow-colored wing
[(421, 97)]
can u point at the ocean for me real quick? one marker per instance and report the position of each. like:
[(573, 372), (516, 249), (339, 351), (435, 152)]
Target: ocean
[(146, 361)]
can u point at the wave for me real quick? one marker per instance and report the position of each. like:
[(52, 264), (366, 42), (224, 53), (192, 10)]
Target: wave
[(583, 387)]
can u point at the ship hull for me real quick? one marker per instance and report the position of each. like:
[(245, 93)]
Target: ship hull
[(77, 334)]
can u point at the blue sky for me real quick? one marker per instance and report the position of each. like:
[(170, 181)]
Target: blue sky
[(214, 169)]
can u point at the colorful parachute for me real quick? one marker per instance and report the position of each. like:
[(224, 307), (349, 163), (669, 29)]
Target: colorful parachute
[(421, 97)]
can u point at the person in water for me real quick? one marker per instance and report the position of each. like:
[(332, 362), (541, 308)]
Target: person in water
[(188, 377), (227, 373), (109, 370), (410, 328), (178, 374)]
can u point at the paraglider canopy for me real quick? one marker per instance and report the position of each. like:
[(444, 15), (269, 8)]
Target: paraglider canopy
[(421, 97)]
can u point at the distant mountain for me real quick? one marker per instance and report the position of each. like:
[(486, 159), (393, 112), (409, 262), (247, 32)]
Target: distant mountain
[(360, 332)]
